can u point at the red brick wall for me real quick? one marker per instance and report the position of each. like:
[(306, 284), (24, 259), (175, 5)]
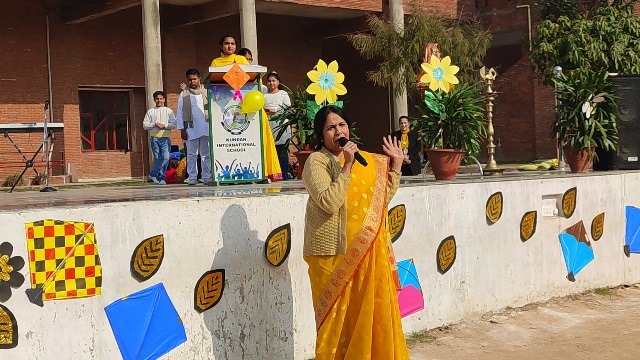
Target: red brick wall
[(103, 52), (23, 80), (108, 52), (523, 111)]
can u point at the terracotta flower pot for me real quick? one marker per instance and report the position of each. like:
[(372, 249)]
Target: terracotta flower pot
[(302, 157), (445, 162), (578, 160)]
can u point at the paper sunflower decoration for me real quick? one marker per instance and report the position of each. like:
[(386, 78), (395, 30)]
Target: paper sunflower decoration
[(326, 83), (439, 74)]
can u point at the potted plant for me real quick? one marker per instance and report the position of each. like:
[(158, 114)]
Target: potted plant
[(585, 116), (451, 121), (296, 117)]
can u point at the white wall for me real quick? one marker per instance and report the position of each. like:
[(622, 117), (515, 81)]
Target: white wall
[(266, 312)]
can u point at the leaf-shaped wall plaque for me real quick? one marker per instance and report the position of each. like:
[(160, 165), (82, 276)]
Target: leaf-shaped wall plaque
[(8, 329), (569, 199), (396, 220), (446, 255), (528, 225), (494, 207), (278, 245), (147, 258), (208, 290), (597, 227)]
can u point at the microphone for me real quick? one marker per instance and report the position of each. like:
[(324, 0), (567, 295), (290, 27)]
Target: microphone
[(343, 141), (46, 104)]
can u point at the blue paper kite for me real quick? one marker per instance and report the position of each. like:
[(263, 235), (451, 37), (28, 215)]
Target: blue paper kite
[(576, 249), (632, 233), (410, 298), (145, 324)]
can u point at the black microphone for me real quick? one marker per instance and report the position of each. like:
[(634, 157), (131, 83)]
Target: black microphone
[(343, 141), (46, 104)]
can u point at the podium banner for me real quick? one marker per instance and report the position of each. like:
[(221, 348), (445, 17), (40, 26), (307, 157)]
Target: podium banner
[(236, 137)]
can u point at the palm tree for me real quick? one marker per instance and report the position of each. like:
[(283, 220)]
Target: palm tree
[(400, 53)]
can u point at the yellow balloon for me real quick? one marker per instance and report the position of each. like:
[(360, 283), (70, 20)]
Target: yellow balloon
[(252, 102)]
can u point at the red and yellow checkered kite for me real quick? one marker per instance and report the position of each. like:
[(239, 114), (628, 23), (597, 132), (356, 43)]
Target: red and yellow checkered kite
[(63, 260)]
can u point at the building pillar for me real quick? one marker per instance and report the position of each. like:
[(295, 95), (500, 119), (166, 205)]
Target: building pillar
[(396, 17), (152, 49), (248, 30)]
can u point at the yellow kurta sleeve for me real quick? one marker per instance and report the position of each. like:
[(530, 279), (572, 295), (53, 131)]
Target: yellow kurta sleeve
[(393, 183)]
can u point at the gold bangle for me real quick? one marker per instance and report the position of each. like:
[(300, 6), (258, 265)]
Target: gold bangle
[(396, 171)]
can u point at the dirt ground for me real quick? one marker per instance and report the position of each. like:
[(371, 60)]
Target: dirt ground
[(602, 324)]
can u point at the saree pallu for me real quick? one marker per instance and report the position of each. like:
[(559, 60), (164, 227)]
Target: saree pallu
[(354, 295), (269, 154)]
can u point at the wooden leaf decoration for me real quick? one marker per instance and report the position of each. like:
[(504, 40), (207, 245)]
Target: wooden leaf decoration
[(8, 329), (278, 245), (446, 255), (528, 225), (147, 258), (208, 290), (569, 202), (494, 207), (396, 220), (597, 227)]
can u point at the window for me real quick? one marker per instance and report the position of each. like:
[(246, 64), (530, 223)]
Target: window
[(104, 120)]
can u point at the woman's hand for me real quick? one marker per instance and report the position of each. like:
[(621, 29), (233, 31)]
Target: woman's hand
[(391, 147), (348, 151)]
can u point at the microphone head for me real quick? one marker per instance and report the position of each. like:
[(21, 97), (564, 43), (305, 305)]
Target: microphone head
[(343, 141)]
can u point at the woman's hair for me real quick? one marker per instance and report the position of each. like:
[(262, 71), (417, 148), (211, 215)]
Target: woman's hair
[(173, 163), (224, 37), (321, 119), (243, 51), (274, 74)]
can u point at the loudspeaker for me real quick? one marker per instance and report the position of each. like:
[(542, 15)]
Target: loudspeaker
[(627, 156)]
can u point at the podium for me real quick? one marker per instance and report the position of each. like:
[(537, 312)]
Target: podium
[(235, 138)]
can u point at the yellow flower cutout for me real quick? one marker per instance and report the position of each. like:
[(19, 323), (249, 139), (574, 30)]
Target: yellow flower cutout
[(326, 82), (440, 74)]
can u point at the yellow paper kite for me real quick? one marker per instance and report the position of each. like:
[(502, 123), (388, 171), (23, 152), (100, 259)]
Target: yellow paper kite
[(63, 260)]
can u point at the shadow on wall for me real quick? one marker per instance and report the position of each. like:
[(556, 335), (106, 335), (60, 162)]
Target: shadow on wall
[(254, 318)]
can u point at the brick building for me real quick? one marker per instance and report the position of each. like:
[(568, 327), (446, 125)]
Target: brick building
[(88, 58)]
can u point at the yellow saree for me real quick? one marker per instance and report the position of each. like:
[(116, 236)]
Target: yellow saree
[(354, 295), (269, 155)]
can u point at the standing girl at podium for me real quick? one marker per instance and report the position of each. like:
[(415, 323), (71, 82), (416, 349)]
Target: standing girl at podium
[(270, 156)]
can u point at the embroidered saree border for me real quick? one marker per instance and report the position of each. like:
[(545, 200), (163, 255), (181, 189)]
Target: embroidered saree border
[(358, 248)]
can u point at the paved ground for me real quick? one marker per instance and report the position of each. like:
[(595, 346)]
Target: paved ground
[(600, 325)]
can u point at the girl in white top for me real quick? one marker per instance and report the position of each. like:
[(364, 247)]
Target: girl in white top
[(274, 100)]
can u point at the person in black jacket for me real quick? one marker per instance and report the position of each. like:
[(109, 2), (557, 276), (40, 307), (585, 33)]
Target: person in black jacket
[(410, 145)]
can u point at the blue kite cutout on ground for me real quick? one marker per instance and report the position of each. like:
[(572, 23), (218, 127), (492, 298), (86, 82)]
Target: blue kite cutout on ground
[(632, 231), (410, 298), (145, 324), (577, 254)]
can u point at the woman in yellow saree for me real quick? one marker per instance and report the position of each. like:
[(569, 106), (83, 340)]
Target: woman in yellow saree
[(347, 247), (269, 156)]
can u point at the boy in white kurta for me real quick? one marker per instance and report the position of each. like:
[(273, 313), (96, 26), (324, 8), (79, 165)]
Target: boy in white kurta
[(194, 126)]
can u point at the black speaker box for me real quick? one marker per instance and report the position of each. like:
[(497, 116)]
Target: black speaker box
[(627, 154)]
